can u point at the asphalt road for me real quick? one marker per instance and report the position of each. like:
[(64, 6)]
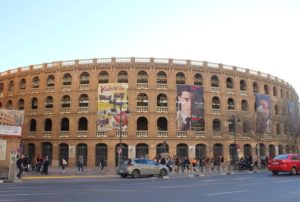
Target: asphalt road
[(239, 187)]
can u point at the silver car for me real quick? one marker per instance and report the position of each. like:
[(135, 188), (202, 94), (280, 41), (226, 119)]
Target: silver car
[(142, 167)]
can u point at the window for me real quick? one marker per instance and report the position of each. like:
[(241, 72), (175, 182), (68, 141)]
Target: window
[(122, 77), (84, 78), (180, 78), (36, 82), (216, 103), (162, 100), (229, 83), (244, 105), (214, 81), (216, 125), (64, 124), (11, 86), (142, 77), (161, 78), (32, 125), (34, 103), (49, 102), (266, 88), (21, 104), (82, 124), (198, 79), (103, 77), (48, 125), (84, 100), (243, 85), (67, 79), (255, 87), (230, 104), (65, 102), (142, 99), (50, 81), (22, 84)]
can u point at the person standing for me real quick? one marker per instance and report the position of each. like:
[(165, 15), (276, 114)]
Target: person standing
[(63, 164), (80, 163), (46, 165), (19, 163)]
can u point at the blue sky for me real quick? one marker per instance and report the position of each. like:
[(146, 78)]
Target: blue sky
[(260, 35)]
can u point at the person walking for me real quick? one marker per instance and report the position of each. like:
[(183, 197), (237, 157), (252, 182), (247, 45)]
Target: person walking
[(102, 163), (80, 163), (20, 166), (63, 164)]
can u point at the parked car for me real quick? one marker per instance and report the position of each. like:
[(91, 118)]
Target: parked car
[(285, 163), (141, 167)]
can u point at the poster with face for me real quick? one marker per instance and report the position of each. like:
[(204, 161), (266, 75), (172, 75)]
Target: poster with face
[(263, 113), (190, 107)]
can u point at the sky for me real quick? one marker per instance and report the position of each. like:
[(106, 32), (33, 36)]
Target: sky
[(261, 35)]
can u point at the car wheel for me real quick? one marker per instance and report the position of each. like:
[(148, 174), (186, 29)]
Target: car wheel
[(136, 173), (275, 172), (124, 175), (163, 172), (293, 171)]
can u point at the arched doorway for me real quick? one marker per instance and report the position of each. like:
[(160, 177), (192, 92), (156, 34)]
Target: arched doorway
[(182, 150), (82, 149), (162, 148), (47, 150), (101, 152), (200, 151), (272, 151), (142, 151), (123, 154), (247, 150), (63, 152)]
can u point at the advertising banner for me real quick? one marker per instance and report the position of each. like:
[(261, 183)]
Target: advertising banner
[(263, 113), (190, 107), (11, 122), (112, 105)]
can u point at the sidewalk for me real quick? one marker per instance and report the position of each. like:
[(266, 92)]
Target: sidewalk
[(73, 173), (57, 172)]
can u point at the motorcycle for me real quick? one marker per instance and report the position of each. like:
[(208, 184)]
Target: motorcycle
[(245, 165)]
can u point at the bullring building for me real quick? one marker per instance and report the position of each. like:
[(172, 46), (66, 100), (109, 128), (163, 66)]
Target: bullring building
[(142, 107)]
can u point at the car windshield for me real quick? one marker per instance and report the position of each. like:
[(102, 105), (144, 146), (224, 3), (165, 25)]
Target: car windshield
[(280, 157)]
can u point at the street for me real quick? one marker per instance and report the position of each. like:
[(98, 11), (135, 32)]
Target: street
[(238, 187)]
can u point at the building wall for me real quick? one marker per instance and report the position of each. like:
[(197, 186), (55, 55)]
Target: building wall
[(132, 66)]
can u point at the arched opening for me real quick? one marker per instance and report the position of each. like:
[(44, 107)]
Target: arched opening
[(142, 151)]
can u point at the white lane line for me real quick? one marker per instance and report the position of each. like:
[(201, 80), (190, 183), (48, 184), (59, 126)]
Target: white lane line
[(228, 192), (33, 194), (7, 200)]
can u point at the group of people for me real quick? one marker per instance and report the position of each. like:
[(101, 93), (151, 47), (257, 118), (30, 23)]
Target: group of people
[(41, 165)]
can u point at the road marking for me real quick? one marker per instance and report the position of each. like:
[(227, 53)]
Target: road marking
[(33, 194), (228, 192)]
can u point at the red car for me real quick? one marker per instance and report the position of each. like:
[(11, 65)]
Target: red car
[(285, 163)]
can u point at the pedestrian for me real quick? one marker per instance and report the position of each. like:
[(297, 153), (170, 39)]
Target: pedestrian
[(45, 165), (102, 163), (20, 165), (80, 163), (63, 164)]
